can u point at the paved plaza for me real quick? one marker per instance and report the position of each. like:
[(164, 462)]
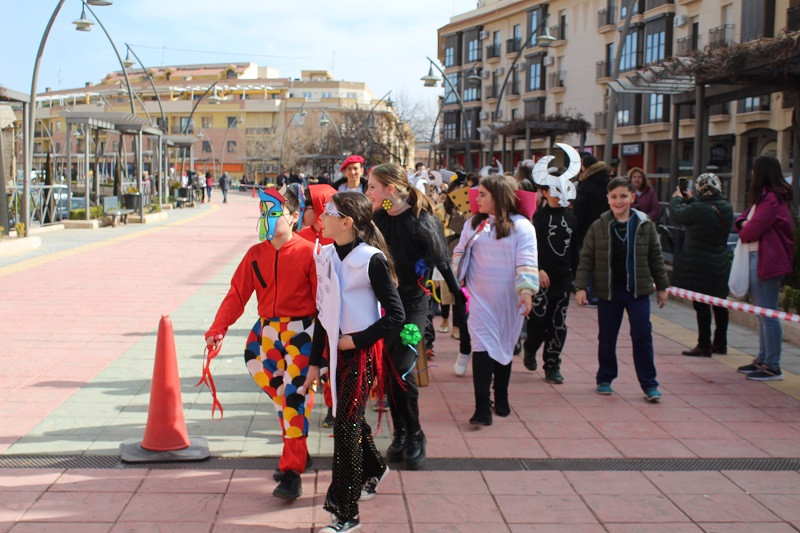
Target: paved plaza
[(79, 323)]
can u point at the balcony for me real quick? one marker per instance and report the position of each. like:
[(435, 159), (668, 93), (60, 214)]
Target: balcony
[(600, 120), (559, 31), (555, 80), (686, 45), (720, 37), (606, 17), (513, 45), (513, 88), (603, 70), (653, 4), (492, 51), (793, 18)]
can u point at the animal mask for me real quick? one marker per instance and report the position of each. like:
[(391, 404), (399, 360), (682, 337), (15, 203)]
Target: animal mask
[(560, 186)]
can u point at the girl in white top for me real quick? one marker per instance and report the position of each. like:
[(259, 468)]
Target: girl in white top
[(496, 257), (355, 279)]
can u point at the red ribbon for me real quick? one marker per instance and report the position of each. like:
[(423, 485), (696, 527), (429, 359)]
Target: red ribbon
[(205, 378)]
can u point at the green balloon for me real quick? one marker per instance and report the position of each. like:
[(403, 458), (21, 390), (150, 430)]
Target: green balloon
[(410, 336)]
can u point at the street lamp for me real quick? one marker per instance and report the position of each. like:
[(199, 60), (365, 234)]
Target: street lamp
[(430, 80), (31, 114), (303, 113), (544, 40), (224, 148)]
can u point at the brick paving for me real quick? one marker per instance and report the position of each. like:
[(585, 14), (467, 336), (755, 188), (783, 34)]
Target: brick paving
[(79, 322)]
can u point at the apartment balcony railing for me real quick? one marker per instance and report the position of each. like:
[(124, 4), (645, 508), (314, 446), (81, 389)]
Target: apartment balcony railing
[(559, 31), (556, 79), (652, 4), (721, 36), (513, 87), (603, 69), (492, 50), (686, 45), (606, 16), (600, 120), (793, 18), (513, 45)]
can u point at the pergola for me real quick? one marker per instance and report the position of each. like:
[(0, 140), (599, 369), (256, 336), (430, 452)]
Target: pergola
[(121, 123), (538, 127), (10, 96), (719, 76)]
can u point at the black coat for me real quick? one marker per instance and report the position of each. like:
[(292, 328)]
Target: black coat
[(705, 262), (591, 200)]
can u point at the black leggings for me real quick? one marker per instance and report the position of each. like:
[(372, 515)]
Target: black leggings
[(404, 396), (483, 369)]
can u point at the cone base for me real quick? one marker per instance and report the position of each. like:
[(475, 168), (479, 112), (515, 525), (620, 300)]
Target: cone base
[(131, 451)]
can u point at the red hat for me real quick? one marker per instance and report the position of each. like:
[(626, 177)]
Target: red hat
[(351, 160)]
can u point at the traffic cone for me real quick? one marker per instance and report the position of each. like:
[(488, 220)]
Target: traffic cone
[(165, 436)]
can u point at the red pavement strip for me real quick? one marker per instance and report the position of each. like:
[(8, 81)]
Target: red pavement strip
[(69, 314)]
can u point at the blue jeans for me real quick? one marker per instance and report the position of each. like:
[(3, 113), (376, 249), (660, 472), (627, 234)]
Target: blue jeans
[(609, 319), (764, 293)]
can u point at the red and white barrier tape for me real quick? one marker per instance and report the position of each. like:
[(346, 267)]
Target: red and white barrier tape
[(738, 306)]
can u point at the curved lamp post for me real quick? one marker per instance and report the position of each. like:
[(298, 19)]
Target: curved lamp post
[(128, 63), (431, 80), (302, 112), (542, 40), (366, 119), (224, 148)]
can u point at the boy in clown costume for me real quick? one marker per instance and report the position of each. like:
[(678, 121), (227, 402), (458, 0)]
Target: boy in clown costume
[(282, 273)]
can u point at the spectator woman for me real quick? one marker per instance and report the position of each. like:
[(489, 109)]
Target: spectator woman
[(646, 199), (706, 260), (766, 227)]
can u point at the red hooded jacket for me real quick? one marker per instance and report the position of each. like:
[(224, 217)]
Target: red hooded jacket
[(320, 195)]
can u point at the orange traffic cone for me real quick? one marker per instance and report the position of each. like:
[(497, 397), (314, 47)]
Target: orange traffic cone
[(165, 436)]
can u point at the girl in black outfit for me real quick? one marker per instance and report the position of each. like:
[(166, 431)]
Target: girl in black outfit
[(355, 280), (413, 233)]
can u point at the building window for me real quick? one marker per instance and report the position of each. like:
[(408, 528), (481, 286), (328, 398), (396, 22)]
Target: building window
[(58, 148), (630, 53), (536, 73), (298, 119), (449, 57), (327, 95), (231, 146), (535, 17), (534, 108), (473, 47), (472, 92), (655, 41), (655, 108), (206, 147), (623, 9), (186, 125), (450, 96), (758, 19), (515, 113), (628, 109), (451, 52), (352, 95), (230, 74), (754, 103), (450, 126), (233, 122), (496, 42)]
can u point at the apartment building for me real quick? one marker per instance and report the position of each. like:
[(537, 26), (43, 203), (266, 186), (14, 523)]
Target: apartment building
[(243, 118), (569, 79)]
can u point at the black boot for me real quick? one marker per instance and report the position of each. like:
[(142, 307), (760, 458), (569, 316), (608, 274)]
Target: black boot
[(501, 407), (483, 413), (278, 475), (414, 454), (394, 453), (290, 486)]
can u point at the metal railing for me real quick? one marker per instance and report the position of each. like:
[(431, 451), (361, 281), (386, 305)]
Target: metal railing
[(600, 120), (721, 36), (556, 79), (559, 31), (602, 69), (513, 45), (48, 203), (606, 16), (492, 50), (687, 45), (652, 4)]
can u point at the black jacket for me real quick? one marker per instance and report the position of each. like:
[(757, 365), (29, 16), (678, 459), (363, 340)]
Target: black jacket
[(343, 181), (591, 200), (705, 262)]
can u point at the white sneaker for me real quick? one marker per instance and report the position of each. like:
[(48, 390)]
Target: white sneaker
[(341, 526), (460, 368)]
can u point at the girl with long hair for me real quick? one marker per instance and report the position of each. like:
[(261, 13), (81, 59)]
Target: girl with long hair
[(415, 238), (355, 280), (766, 226), (497, 258)]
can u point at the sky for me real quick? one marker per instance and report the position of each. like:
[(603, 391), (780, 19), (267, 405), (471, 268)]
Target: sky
[(381, 43)]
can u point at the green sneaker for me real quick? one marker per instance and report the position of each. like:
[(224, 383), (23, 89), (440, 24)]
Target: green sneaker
[(552, 375), (652, 395), (604, 389)]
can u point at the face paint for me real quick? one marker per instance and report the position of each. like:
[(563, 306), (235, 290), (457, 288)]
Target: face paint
[(271, 210)]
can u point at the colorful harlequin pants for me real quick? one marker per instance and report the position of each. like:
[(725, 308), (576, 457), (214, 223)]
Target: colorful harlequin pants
[(277, 357)]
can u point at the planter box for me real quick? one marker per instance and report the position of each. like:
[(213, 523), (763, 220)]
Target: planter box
[(133, 201)]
